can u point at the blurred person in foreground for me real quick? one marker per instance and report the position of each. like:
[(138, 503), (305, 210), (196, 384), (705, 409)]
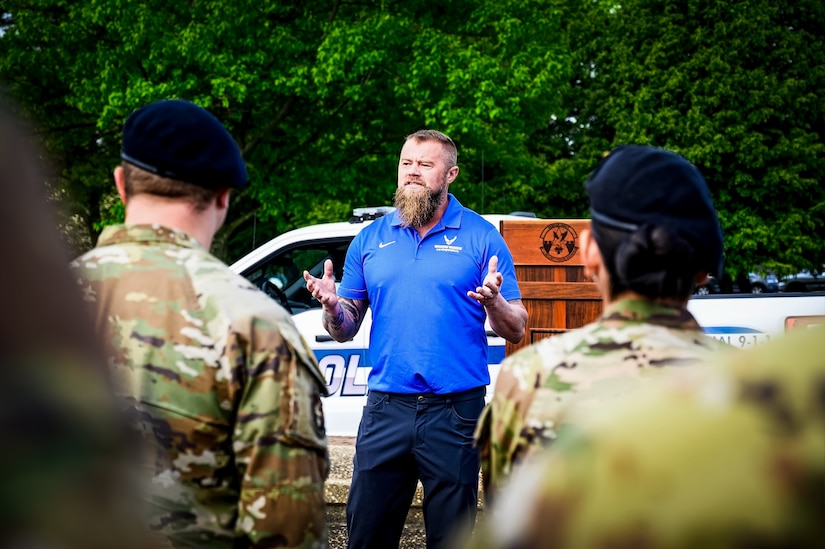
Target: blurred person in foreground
[(64, 478), (215, 376), (431, 272), (731, 456), (654, 234)]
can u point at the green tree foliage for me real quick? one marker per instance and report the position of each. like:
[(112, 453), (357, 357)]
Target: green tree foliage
[(319, 94), (736, 87)]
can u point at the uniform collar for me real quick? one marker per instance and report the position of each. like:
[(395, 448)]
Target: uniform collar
[(644, 311), (145, 234)]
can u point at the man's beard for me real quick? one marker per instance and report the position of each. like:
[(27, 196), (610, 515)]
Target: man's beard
[(416, 209)]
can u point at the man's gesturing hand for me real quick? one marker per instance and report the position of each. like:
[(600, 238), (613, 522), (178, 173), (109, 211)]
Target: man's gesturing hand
[(323, 289), (487, 294)]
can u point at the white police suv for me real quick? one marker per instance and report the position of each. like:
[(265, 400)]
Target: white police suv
[(277, 268)]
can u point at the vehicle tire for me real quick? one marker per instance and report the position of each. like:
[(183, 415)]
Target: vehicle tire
[(795, 287), (757, 289), (701, 290)]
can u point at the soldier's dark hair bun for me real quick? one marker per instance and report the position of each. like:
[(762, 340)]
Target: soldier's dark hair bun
[(654, 262)]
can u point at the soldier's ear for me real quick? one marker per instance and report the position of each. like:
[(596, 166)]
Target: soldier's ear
[(120, 183), (591, 255), (222, 198)]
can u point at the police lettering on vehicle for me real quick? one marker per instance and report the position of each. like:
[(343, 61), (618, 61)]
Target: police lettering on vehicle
[(341, 371)]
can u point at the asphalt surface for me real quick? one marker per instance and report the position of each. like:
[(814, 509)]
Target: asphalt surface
[(413, 537), (337, 487)]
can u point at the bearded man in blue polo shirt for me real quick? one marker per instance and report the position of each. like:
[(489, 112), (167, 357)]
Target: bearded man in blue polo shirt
[(432, 272)]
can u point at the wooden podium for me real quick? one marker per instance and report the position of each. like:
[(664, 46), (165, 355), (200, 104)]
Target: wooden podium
[(551, 277)]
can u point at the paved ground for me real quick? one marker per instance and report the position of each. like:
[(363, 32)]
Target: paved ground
[(413, 537), (341, 450)]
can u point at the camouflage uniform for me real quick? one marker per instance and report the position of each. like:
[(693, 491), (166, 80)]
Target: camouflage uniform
[(735, 458), (580, 372), (64, 468), (223, 387)]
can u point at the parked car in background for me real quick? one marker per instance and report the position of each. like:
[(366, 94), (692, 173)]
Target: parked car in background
[(710, 287), (803, 281), (754, 283), (761, 285)]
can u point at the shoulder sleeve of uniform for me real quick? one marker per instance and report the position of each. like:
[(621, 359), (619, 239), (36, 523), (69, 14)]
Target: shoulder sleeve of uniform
[(500, 432), (279, 438)]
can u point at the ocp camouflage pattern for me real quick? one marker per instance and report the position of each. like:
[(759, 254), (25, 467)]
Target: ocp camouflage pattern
[(547, 384), (733, 457), (222, 387)]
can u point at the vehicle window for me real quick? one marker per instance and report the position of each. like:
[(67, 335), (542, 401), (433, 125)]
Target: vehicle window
[(285, 271)]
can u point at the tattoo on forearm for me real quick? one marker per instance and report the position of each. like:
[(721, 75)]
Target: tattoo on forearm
[(335, 322), (349, 314), (353, 308)]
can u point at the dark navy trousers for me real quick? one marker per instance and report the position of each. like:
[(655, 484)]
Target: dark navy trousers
[(405, 438)]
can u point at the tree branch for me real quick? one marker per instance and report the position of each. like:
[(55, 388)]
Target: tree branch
[(251, 144), (334, 12), (66, 128)]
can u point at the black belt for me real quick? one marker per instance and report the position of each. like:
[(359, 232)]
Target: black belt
[(432, 397)]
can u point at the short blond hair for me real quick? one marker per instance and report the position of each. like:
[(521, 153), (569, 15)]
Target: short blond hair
[(447, 144), (139, 181)]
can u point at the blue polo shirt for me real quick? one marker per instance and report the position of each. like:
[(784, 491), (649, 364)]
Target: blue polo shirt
[(427, 334)]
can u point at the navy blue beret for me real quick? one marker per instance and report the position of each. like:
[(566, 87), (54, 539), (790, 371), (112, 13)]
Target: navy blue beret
[(180, 140), (637, 185)]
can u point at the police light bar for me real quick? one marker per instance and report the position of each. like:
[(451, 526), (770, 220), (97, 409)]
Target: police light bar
[(359, 215)]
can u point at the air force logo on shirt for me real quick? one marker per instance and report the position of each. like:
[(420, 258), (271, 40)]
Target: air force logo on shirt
[(448, 245)]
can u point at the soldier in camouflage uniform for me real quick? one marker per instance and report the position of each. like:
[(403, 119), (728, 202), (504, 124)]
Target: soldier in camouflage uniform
[(732, 457), (654, 234), (218, 380), (64, 459)]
